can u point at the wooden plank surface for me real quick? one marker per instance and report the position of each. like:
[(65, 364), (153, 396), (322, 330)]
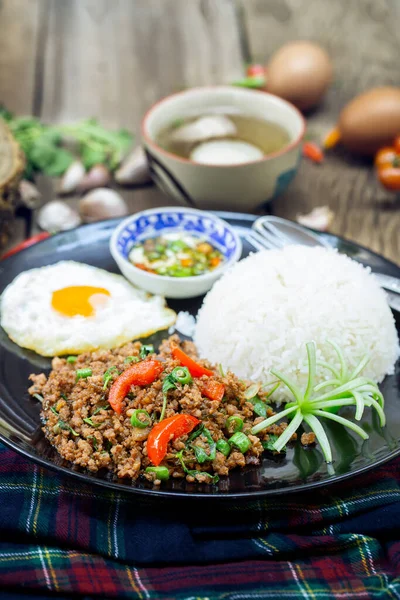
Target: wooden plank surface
[(65, 60), (19, 37), (363, 40)]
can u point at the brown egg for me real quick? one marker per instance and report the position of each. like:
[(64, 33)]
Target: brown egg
[(299, 72), (371, 120)]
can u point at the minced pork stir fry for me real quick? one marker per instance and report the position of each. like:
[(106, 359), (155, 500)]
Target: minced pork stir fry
[(163, 415)]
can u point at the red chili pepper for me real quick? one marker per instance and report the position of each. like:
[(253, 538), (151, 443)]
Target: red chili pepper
[(141, 373), (312, 151), (213, 390), (26, 243), (390, 178), (195, 369), (165, 431), (396, 144), (255, 71)]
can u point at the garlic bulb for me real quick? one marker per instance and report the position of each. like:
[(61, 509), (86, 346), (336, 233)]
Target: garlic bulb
[(72, 178), (102, 203), (30, 195), (98, 176), (57, 216), (134, 168)]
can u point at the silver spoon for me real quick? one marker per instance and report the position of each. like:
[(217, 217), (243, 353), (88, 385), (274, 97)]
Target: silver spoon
[(273, 233)]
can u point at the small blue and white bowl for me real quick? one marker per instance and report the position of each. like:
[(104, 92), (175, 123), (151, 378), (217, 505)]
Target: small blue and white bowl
[(158, 221)]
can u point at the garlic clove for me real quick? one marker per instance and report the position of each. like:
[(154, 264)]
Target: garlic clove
[(30, 195), (319, 218), (98, 176), (57, 216), (72, 178), (134, 169), (100, 204)]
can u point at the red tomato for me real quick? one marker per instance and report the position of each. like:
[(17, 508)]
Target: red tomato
[(195, 369), (385, 157), (165, 431), (390, 177), (141, 373)]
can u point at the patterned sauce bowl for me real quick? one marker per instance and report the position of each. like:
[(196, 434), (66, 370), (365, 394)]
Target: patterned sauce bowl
[(242, 187), (156, 222)]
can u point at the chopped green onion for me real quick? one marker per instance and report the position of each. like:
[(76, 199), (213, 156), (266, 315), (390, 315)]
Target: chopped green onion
[(142, 423), (54, 410), (161, 473), (223, 446), (83, 374), (38, 397), (72, 359), (181, 375), (146, 350), (241, 441), (221, 370), (94, 442), (107, 377), (234, 424), (252, 391), (130, 359)]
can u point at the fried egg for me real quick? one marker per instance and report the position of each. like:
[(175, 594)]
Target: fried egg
[(71, 307)]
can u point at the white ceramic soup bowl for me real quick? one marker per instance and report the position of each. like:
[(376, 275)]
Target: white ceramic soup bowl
[(242, 187), (158, 221)]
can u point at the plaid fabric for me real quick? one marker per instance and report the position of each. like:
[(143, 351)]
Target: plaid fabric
[(60, 539)]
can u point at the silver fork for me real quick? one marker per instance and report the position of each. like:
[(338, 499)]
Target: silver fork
[(272, 233)]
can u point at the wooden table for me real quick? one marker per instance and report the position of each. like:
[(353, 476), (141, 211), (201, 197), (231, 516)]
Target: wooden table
[(70, 59)]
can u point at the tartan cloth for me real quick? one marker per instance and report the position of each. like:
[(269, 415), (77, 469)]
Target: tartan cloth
[(62, 539)]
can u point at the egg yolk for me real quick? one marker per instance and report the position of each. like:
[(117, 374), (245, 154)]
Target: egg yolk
[(76, 300)]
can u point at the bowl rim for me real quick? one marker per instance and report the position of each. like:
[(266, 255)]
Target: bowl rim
[(168, 278), (150, 142)]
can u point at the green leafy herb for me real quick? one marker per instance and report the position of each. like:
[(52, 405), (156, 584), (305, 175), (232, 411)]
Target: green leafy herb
[(94, 442), (64, 397), (347, 389), (145, 350), (89, 421), (43, 144), (62, 424), (99, 409), (193, 472), (107, 377), (201, 455), (130, 359), (259, 407), (269, 443), (169, 383)]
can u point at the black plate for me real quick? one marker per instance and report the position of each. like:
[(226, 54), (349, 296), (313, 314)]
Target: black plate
[(299, 470)]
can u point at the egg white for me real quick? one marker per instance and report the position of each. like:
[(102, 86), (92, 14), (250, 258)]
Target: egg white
[(30, 321)]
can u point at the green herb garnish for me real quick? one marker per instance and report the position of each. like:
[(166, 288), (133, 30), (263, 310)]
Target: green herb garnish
[(130, 359), (193, 472), (107, 377), (269, 443), (43, 144), (308, 405), (145, 350), (62, 424), (201, 455)]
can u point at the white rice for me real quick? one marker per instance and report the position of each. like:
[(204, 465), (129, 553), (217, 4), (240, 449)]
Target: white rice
[(260, 315)]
